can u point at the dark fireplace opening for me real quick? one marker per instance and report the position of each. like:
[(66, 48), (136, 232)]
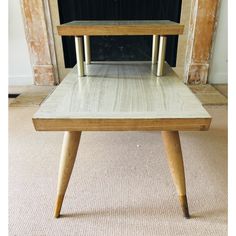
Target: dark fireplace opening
[(119, 48)]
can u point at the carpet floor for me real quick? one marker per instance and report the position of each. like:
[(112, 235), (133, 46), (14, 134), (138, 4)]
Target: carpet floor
[(120, 185)]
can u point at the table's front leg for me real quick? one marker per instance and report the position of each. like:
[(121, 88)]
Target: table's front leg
[(79, 55), (175, 161), (68, 154)]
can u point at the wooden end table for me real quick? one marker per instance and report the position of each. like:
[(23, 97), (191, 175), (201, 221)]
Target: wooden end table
[(120, 96)]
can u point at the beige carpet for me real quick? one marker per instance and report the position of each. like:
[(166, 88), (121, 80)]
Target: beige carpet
[(121, 184)]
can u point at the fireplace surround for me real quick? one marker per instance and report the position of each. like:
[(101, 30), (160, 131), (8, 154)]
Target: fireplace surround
[(46, 52)]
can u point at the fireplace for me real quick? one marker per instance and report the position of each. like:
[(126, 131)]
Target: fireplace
[(119, 48), (46, 50)]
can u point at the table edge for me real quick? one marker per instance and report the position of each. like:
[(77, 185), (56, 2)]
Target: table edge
[(96, 30), (114, 124)]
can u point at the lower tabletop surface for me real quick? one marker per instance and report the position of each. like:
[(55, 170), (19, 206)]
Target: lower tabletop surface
[(121, 96)]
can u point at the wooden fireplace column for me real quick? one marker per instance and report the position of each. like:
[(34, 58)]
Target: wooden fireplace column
[(200, 39), (39, 37)]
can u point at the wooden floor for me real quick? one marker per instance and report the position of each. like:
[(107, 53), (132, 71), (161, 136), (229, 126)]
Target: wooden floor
[(122, 91), (210, 94), (222, 88)]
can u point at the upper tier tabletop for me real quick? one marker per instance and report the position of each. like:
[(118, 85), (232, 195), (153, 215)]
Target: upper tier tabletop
[(137, 27), (121, 96)]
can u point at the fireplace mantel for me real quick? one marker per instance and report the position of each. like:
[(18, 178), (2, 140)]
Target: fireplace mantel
[(45, 47)]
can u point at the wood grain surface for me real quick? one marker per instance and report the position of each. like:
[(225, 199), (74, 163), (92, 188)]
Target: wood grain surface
[(121, 96), (137, 27)]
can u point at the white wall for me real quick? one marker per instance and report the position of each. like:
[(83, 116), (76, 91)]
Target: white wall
[(20, 72), (218, 67)]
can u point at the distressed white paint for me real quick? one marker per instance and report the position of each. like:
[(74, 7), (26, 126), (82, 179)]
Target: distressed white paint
[(20, 72), (191, 31), (219, 65), (51, 40)]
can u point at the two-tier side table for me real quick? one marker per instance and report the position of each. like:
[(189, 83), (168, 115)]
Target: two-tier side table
[(116, 96)]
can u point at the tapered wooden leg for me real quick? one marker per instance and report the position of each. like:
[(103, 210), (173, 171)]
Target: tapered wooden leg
[(161, 56), (154, 49), (175, 161), (68, 154), (79, 55), (87, 51)]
